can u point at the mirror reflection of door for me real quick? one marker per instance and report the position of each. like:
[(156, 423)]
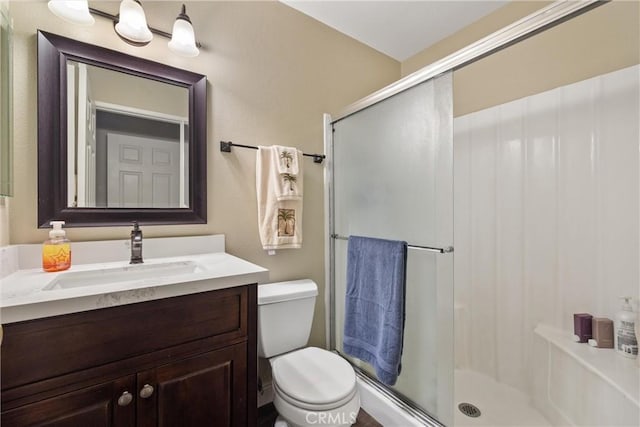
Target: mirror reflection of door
[(142, 172), (86, 147), (127, 140), (143, 159)]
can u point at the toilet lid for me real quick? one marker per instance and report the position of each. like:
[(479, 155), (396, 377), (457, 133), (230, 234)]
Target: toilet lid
[(314, 376)]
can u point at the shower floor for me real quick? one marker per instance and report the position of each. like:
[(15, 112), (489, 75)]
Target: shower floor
[(499, 404)]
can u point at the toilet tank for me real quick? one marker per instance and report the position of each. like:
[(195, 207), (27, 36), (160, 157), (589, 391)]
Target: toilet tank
[(285, 314)]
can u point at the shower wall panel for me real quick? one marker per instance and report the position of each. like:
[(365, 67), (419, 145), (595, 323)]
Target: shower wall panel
[(546, 217)]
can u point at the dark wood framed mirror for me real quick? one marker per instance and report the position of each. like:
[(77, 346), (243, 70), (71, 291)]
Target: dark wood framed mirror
[(120, 138)]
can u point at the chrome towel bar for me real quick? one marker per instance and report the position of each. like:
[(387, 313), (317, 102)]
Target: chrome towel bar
[(445, 250)]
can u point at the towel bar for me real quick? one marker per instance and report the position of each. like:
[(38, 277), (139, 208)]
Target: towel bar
[(225, 146), (445, 250)]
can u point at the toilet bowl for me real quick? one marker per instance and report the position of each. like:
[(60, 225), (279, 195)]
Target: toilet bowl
[(312, 386), (315, 387)]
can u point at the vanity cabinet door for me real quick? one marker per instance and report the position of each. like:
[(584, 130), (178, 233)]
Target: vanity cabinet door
[(106, 404), (206, 390)]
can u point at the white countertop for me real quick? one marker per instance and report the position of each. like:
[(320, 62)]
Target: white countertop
[(24, 294)]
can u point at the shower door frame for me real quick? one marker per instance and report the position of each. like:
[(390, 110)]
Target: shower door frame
[(539, 21)]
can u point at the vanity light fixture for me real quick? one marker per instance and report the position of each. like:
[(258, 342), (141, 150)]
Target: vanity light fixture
[(183, 39), (131, 24), (74, 11)]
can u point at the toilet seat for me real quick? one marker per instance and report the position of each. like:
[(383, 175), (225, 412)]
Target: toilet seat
[(312, 406), (314, 379)]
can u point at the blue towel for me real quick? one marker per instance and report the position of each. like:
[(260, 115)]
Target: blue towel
[(374, 306)]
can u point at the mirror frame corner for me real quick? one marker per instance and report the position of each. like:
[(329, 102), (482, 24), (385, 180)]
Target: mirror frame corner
[(53, 53)]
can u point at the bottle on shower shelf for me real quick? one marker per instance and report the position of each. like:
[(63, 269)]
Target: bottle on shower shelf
[(626, 342)]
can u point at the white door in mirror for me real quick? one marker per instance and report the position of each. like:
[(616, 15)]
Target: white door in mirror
[(142, 172)]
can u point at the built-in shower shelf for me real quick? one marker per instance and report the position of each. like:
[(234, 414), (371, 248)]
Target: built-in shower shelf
[(620, 372)]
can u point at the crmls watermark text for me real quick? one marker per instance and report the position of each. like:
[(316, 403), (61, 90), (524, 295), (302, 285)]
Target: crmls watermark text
[(323, 418)]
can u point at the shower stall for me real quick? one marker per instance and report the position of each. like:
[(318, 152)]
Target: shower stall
[(371, 179), (517, 215)]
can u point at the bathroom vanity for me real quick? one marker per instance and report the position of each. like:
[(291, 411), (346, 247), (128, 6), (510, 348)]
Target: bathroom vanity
[(180, 351)]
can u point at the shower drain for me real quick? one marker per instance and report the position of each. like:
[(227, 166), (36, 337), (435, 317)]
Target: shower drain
[(469, 410)]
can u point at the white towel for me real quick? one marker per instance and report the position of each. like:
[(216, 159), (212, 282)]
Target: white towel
[(279, 221), (289, 185), (287, 160)]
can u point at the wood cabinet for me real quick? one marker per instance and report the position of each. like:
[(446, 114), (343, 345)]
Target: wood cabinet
[(182, 361), (90, 406), (218, 377)]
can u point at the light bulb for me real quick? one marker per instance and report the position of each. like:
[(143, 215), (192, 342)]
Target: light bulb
[(132, 25), (74, 11), (183, 39)]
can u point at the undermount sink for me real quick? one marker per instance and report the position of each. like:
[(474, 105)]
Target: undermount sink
[(77, 279)]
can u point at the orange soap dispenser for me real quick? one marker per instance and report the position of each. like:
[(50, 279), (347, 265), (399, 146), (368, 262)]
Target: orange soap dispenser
[(56, 251)]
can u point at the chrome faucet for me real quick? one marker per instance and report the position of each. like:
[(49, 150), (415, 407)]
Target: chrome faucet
[(136, 244)]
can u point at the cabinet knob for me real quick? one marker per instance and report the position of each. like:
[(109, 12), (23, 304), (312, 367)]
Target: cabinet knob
[(147, 391), (125, 399)]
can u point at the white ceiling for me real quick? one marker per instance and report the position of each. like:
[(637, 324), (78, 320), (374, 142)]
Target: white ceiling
[(397, 28)]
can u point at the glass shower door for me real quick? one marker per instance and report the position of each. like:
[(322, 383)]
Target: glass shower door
[(392, 179)]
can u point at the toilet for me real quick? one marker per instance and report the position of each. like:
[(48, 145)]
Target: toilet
[(311, 386)]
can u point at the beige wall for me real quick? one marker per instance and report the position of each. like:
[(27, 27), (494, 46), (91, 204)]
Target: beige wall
[(121, 89), (494, 21), (272, 72), (602, 40), (4, 220)]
